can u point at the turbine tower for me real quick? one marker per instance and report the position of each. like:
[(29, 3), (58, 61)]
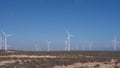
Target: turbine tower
[(65, 44), (5, 39), (68, 40), (1, 42), (83, 47), (77, 48), (115, 43), (90, 46), (48, 45), (36, 47)]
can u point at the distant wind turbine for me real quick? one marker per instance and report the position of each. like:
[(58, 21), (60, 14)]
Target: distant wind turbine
[(5, 39), (36, 47), (83, 47), (90, 46), (1, 42), (77, 48), (65, 44), (115, 43), (48, 45), (68, 40)]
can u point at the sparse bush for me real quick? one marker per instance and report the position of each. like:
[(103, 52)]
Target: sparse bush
[(97, 66), (17, 62)]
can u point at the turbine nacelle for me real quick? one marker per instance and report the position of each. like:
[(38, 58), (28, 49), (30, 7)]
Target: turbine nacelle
[(115, 39), (6, 35), (69, 35), (48, 42)]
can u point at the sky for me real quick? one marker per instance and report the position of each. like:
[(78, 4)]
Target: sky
[(33, 22)]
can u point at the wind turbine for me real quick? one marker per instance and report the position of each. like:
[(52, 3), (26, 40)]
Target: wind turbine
[(1, 41), (5, 39), (90, 46), (77, 48), (83, 47), (115, 43), (68, 40), (36, 47), (48, 45), (65, 44)]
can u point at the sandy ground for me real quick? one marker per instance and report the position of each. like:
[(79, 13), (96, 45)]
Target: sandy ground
[(6, 62), (27, 56), (21, 56), (89, 64)]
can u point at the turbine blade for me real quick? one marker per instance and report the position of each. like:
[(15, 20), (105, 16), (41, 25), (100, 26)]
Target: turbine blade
[(9, 35), (3, 32), (67, 32)]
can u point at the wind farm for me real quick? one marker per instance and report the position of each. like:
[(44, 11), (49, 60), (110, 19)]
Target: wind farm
[(60, 34), (66, 58)]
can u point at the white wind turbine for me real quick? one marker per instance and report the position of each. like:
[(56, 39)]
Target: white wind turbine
[(1, 41), (5, 39), (115, 43), (65, 44), (77, 48), (83, 47), (36, 47), (90, 46), (68, 41), (48, 45)]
